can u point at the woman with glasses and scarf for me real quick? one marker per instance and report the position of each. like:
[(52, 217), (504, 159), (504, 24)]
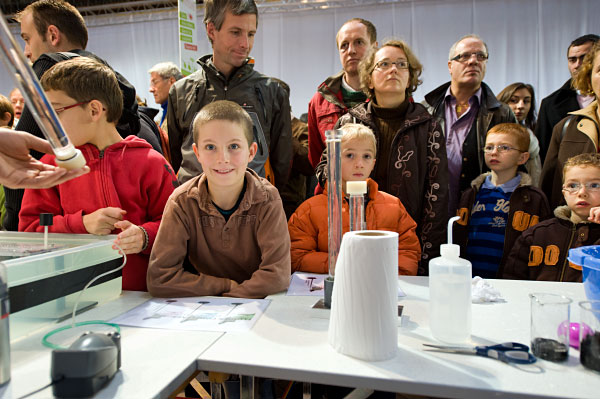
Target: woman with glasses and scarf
[(411, 150)]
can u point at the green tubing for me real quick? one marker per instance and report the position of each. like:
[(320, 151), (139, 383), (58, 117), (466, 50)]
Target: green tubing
[(50, 345)]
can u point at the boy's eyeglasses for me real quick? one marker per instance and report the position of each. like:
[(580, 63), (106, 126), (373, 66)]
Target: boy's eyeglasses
[(488, 149), (464, 57), (61, 109), (573, 188), (385, 65)]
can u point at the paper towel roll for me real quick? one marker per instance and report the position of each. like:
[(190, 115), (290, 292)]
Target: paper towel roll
[(364, 303)]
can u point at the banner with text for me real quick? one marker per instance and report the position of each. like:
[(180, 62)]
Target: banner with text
[(188, 37)]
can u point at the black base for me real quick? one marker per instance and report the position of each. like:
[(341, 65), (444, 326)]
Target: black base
[(328, 292)]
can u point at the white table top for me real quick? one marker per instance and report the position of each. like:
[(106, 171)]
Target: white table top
[(154, 362), (290, 342)]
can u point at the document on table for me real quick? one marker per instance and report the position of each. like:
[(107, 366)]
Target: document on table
[(196, 313), (311, 284)]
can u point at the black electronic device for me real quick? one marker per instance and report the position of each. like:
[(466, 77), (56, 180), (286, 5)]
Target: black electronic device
[(86, 366)]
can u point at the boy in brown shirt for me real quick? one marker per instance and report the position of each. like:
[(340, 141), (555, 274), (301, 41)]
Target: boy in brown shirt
[(223, 232)]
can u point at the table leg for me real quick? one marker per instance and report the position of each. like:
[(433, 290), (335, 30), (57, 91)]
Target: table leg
[(215, 390), (306, 390), (246, 387)]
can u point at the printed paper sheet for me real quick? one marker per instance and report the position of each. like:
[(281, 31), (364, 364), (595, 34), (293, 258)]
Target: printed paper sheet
[(197, 313)]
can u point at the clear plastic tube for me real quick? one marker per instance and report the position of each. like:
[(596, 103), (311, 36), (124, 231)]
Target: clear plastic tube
[(357, 212), (334, 195), (357, 190), (24, 77)]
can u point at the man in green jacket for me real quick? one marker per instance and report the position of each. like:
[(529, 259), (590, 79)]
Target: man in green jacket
[(228, 74)]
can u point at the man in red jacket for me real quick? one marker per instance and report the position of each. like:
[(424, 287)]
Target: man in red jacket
[(341, 91)]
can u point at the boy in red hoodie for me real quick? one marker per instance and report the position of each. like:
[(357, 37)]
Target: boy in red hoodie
[(308, 225), (128, 184)]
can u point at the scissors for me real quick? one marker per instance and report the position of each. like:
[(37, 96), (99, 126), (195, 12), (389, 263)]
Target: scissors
[(507, 352)]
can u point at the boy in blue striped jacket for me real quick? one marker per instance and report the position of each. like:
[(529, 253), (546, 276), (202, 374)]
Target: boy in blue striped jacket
[(500, 204)]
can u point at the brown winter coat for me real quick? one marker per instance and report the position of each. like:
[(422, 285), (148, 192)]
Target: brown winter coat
[(541, 251), (579, 137), (251, 249)]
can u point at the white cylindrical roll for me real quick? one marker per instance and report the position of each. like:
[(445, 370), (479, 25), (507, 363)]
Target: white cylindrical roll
[(363, 321)]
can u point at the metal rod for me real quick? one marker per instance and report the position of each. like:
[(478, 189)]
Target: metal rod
[(35, 98)]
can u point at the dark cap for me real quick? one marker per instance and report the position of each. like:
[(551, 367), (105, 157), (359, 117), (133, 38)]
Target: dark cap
[(46, 219)]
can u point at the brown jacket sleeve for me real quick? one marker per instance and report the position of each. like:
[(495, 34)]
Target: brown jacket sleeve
[(273, 273), (551, 179), (166, 275), (516, 266)]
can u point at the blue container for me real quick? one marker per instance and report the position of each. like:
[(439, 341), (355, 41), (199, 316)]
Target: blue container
[(589, 260)]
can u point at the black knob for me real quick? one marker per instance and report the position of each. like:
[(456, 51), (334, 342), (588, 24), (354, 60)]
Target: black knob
[(46, 219)]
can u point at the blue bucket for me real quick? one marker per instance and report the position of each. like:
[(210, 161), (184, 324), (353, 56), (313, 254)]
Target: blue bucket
[(589, 260)]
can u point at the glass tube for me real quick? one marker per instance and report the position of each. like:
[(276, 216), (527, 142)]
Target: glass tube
[(357, 190), (36, 100), (357, 206), (334, 195)]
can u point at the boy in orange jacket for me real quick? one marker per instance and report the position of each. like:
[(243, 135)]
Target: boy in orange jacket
[(308, 225)]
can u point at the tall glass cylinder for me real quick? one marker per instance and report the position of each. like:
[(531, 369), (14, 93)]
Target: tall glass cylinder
[(66, 154), (357, 190), (334, 195)]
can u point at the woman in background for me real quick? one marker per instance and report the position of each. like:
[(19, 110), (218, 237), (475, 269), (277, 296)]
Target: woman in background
[(411, 150), (520, 97)]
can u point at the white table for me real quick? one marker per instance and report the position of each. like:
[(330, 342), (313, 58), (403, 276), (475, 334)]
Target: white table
[(290, 342), (154, 362)]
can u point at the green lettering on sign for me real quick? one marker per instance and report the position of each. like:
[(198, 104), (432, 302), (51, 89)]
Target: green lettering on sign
[(187, 39), (186, 31), (187, 24), (182, 15)]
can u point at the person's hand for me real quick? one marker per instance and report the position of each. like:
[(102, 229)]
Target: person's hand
[(102, 221), (594, 215), (18, 169), (234, 285), (130, 239)]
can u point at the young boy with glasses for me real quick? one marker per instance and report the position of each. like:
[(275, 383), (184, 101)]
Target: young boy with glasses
[(128, 184), (541, 252), (500, 204)]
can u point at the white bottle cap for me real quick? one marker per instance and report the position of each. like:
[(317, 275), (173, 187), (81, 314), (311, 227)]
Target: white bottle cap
[(356, 187), (75, 161), (450, 250)]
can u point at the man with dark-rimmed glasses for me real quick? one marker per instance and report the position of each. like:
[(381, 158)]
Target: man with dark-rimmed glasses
[(469, 109)]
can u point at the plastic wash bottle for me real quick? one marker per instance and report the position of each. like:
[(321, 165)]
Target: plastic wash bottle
[(450, 293)]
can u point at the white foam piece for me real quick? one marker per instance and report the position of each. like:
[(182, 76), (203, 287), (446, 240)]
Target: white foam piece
[(356, 187)]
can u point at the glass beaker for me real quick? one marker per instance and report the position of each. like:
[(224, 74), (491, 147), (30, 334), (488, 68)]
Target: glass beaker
[(550, 323), (589, 334)]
